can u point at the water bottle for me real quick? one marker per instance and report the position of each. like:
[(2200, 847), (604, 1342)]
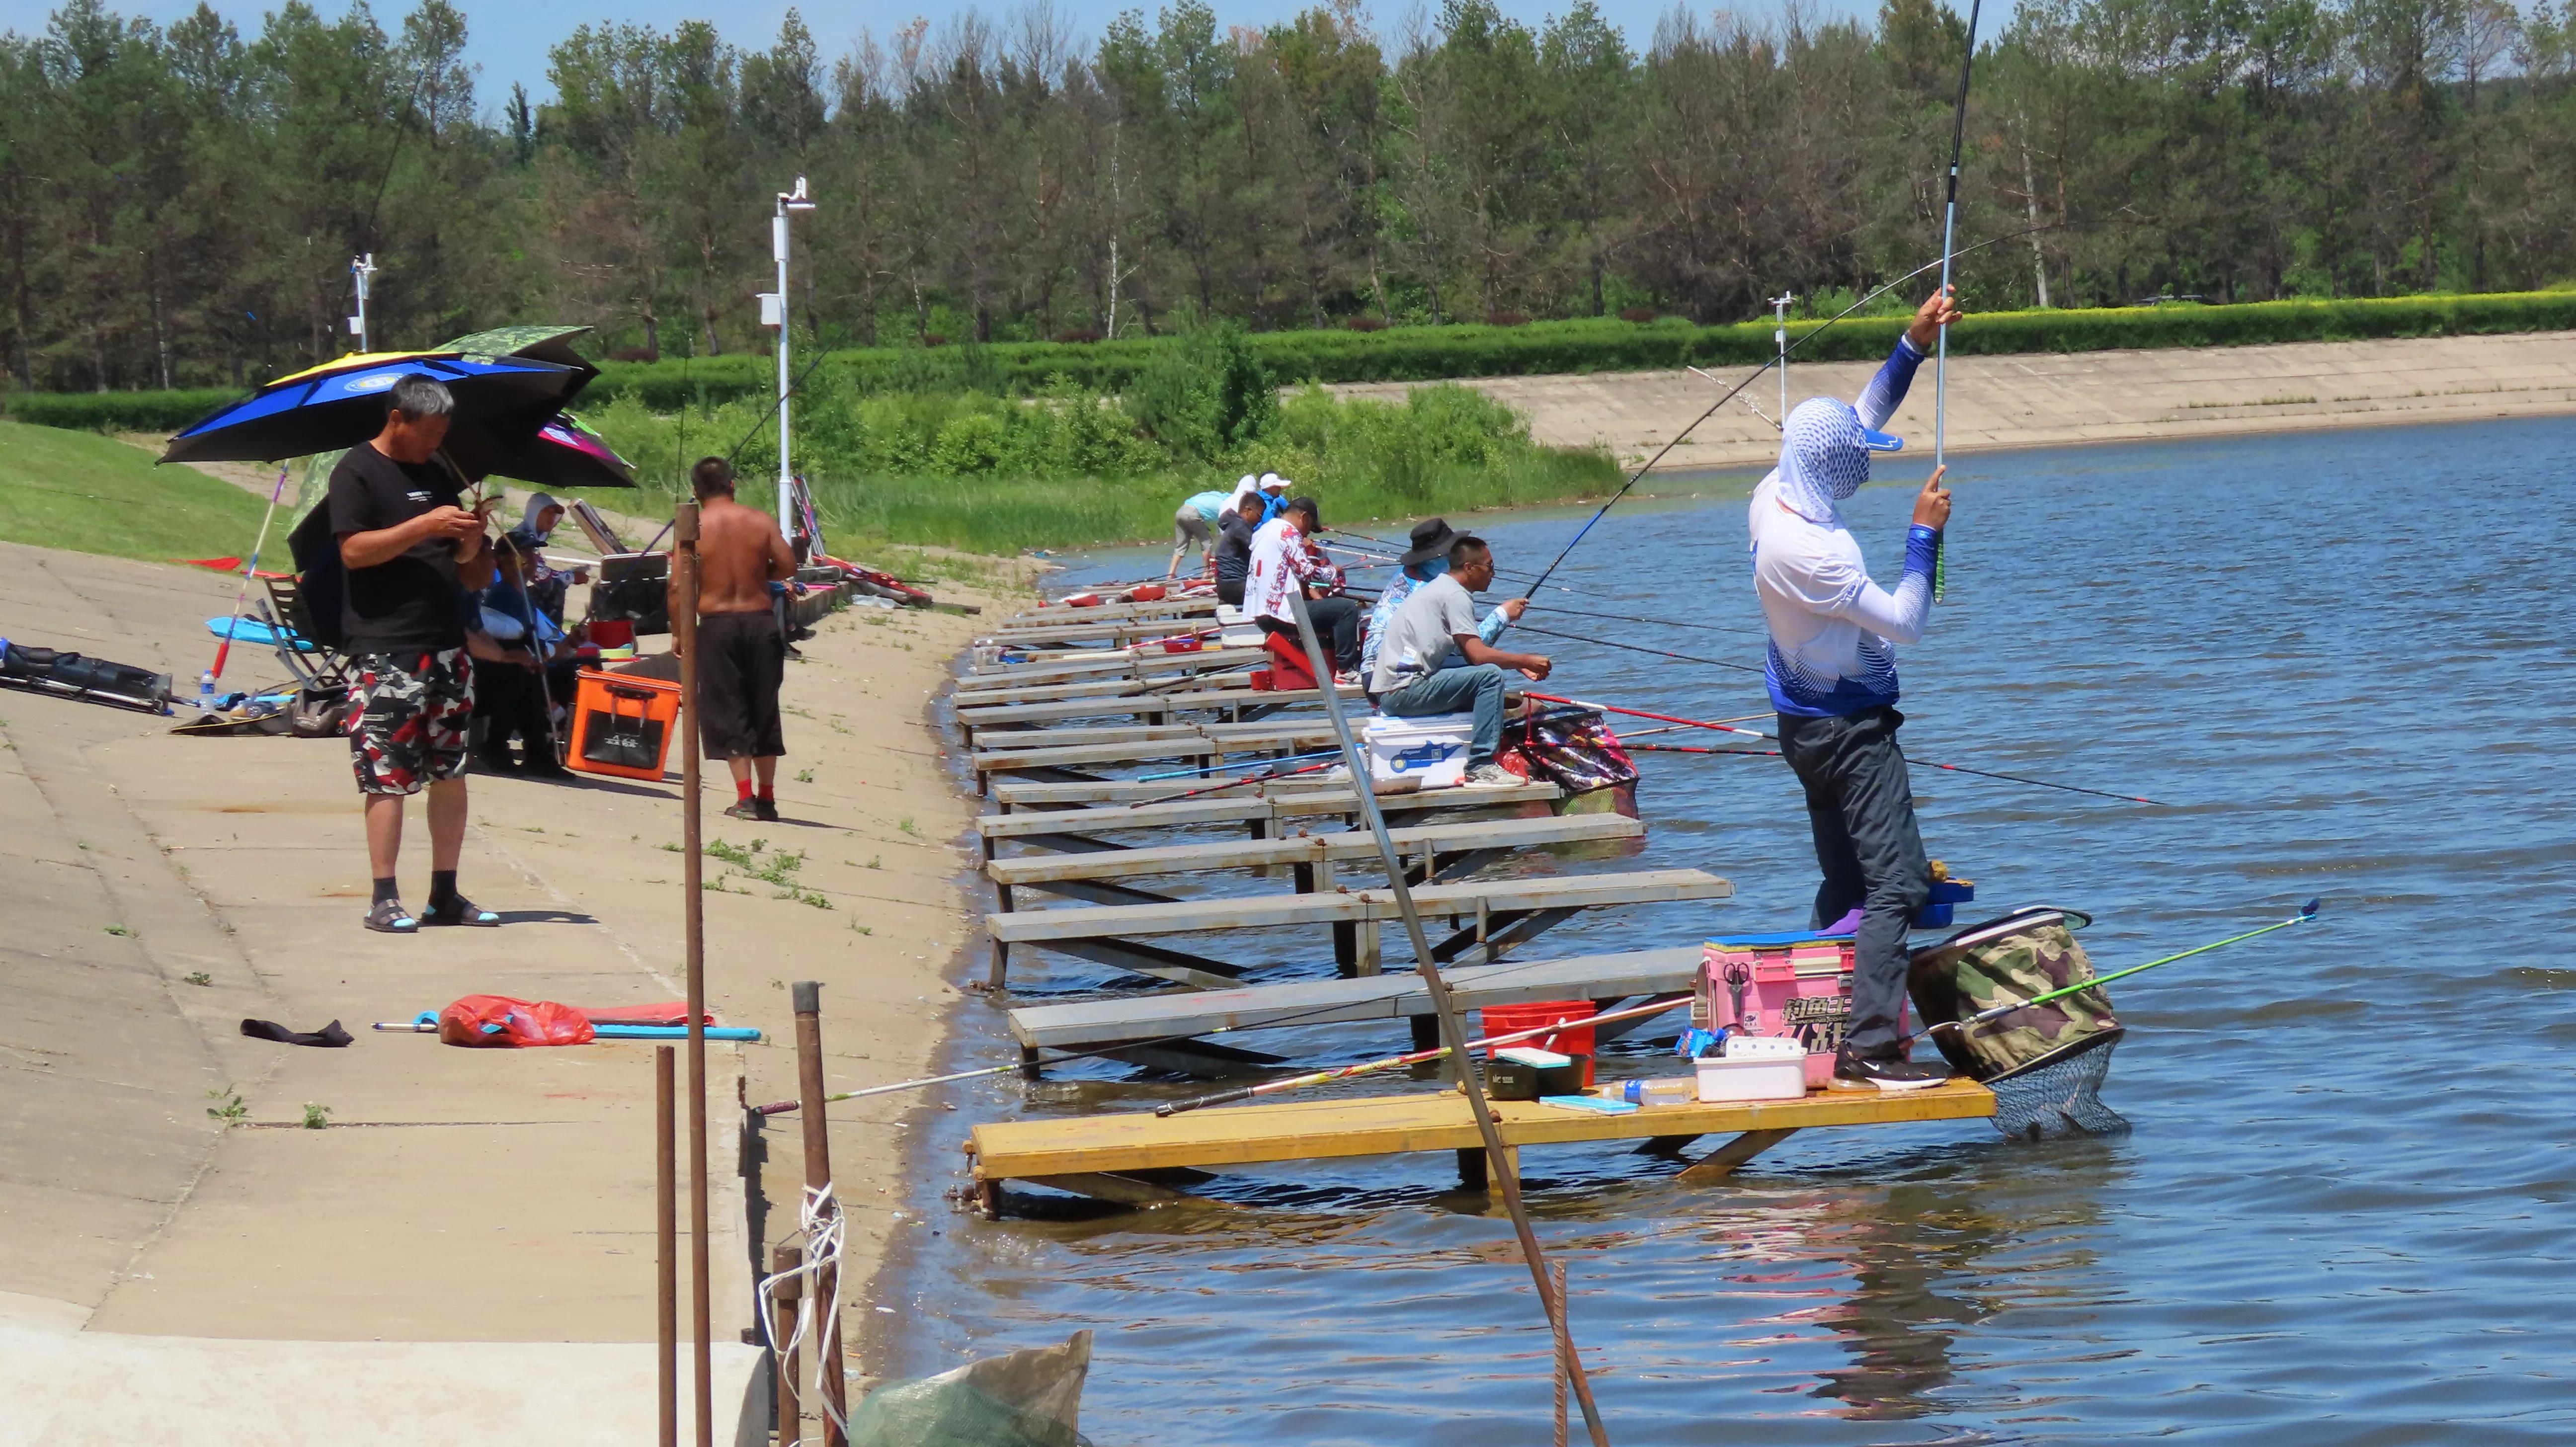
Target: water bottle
[(206, 690)]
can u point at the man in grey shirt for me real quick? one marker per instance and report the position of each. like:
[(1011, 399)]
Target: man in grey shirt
[(1435, 662)]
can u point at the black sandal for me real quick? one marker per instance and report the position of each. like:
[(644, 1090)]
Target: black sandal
[(388, 917), (459, 910)]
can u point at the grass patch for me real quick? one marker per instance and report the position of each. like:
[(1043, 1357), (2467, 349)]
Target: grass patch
[(93, 494)]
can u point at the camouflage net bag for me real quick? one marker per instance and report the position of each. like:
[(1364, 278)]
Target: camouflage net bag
[(2045, 1063)]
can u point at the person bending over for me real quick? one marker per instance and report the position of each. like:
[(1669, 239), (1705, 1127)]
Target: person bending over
[(1282, 561), (1234, 546), (1434, 660), (742, 657), (409, 550), (1832, 674), (1196, 522), (1427, 559)]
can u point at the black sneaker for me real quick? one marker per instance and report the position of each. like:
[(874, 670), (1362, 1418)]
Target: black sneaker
[(1860, 1072), (743, 809), (764, 810)]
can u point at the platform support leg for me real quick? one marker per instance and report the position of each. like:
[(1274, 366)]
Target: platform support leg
[(1718, 1164), (1001, 963), (1365, 955), (1474, 1171)]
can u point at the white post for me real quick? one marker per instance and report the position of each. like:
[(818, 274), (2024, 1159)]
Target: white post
[(778, 249), (362, 267), (1780, 338), (788, 201)]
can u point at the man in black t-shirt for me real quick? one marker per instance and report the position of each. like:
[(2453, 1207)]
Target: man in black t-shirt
[(409, 550)]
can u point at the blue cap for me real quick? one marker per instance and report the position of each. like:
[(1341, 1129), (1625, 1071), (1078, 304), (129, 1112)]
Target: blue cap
[(1880, 441)]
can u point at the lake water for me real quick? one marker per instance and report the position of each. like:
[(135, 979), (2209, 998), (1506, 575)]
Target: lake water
[(2344, 1215)]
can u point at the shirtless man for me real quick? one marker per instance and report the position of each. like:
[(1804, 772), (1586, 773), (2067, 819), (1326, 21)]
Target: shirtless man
[(742, 657)]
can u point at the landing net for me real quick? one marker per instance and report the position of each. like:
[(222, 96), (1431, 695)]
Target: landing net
[(2059, 1098)]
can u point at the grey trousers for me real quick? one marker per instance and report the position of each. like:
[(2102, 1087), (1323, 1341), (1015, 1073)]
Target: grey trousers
[(1456, 690), (1861, 810)]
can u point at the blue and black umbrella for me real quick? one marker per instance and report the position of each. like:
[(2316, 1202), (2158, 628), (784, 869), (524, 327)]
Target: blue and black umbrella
[(501, 402)]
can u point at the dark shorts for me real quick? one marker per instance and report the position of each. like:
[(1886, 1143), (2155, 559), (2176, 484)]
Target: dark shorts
[(409, 726), (741, 662)]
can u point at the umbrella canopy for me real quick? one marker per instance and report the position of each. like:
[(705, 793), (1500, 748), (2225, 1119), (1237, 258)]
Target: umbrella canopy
[(564, 453), (567, 454), (500, 404)]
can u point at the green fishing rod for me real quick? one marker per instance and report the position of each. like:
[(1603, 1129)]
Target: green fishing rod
[(2306, 912)]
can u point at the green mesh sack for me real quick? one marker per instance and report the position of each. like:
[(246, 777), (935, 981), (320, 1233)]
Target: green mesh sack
[(1021, 1399)]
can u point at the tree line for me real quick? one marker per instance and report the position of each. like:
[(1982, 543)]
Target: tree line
[(179, 204)]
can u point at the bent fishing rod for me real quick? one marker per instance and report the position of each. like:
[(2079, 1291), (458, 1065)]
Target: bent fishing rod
[(1768, 363), (1949, 233), (2306, 912)]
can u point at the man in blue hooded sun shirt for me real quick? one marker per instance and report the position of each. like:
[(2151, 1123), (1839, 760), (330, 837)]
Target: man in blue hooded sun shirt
[(1832, 672)]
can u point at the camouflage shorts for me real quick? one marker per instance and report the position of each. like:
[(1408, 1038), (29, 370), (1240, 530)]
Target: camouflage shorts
[(410, 723)]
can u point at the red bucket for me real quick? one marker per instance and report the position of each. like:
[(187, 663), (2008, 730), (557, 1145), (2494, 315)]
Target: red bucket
[(1574, 1040)]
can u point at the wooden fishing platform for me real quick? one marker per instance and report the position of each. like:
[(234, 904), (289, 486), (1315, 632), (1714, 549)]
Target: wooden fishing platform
[(1150, 706), (1130, 1020), (1208, 746), (1171, 607), (1073, 829), (1119, 631), (1494, 915), (1139, 1158), (1139, 663), (1430, 849)]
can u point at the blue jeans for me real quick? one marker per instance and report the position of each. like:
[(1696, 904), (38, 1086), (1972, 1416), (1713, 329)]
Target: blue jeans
[(1456, 690)]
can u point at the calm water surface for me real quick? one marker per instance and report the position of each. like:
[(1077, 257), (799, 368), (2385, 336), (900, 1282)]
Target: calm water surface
[(2343, 1216)]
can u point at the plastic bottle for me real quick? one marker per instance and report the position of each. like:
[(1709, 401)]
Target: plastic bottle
[(206, 690), (1653, 1092)]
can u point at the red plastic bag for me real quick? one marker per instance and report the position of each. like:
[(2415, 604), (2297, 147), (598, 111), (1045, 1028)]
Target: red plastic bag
[(1147, 593), (498, 1020)]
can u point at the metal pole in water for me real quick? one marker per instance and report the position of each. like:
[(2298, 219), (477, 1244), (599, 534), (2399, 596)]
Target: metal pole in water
[(1453, 1033)]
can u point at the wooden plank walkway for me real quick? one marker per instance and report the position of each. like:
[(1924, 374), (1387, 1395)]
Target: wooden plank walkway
[(1085, 1024), (1113, 1155), (1250, 733), (1414, 843), (1104, 630), (1004, 677), (1142, 705), (1505, 913), (1176, 607), (1246, 808)]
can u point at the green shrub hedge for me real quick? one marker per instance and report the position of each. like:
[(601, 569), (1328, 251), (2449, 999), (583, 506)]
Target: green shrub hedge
[(1425, 354), (117, 411)]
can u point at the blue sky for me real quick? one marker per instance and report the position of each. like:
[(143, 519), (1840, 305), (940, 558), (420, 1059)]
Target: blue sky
[(509, 41)]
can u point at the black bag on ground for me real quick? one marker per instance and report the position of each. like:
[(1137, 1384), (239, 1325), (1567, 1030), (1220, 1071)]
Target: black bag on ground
[(318, 713), (75, 674)]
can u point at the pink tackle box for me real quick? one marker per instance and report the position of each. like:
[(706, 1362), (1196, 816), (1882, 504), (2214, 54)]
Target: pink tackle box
[(1789, 985)]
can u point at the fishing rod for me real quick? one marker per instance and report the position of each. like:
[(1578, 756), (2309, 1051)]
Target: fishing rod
[(1213, 768), (1767, 364), (1696, 749), (1414, 1057), (1774, 738), (2306, 912), (1655, 622), (1270, 777), (1949, 233)]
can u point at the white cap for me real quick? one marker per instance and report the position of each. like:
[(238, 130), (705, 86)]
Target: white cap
[(1273, 482), (1248, 483)]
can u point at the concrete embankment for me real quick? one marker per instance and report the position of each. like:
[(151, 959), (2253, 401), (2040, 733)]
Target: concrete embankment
[(2044, 400), (160, 889)]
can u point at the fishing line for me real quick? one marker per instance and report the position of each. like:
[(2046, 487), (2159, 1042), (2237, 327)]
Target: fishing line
[(1485, 975), (1767, 364), (1637, 648), (1949, 233), (1652, 622)]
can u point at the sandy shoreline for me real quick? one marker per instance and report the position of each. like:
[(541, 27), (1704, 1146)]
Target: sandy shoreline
[(2047, 399)]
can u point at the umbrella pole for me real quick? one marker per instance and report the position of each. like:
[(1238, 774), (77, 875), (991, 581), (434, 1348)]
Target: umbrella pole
[(232, 625)]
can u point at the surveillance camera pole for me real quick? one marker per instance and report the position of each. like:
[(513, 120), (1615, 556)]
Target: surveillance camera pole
[(362, 268), (788, 201)]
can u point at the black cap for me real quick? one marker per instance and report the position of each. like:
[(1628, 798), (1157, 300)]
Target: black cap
[(1431, 539), (1306, 505)]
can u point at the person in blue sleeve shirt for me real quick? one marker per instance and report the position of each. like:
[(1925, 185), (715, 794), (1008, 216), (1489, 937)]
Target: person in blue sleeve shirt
[(1832, 675)]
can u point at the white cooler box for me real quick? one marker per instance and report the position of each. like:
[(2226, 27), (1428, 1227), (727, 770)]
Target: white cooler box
[(1432, 748)]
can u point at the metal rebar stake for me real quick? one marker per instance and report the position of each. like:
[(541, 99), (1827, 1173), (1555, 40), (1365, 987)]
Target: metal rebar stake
[(1498, 1157), (684, 636)]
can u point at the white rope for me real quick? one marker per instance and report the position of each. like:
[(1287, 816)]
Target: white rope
[(822, 1225)]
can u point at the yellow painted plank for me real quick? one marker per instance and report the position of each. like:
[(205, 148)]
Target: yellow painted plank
[(1322, 1129)]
